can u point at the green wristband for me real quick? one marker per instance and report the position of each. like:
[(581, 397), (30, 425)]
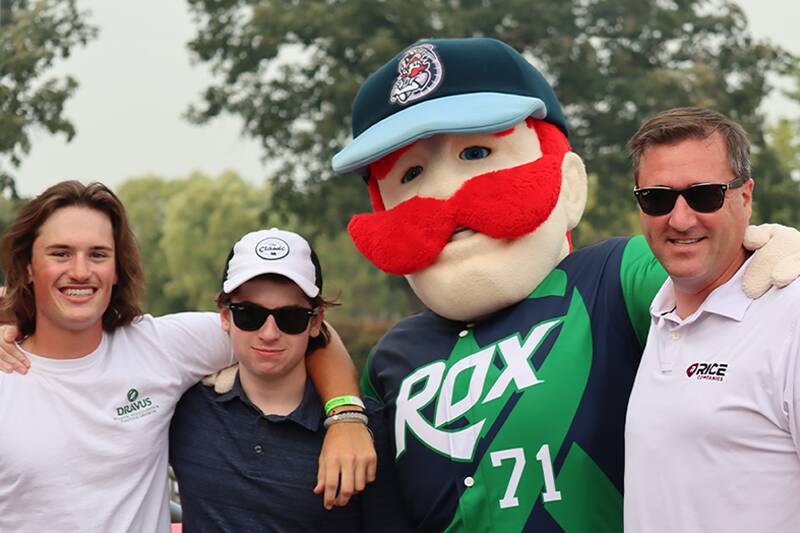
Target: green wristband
[(339, 401)]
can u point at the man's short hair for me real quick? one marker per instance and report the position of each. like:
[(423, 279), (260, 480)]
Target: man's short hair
[(17, 248), (681, 123)]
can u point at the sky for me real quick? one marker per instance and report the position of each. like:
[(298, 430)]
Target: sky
[(137, 80)]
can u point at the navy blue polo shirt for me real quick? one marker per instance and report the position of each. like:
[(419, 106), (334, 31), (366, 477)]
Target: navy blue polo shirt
[(242, 471)]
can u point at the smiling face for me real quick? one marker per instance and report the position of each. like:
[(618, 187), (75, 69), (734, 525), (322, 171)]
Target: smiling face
[(474, 274), (269, 353), (700, 251), (73, 271)]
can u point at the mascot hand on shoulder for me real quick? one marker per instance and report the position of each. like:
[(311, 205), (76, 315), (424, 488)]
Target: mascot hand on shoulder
[(506, 396)]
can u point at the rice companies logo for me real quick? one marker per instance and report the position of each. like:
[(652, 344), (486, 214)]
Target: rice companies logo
[(135, 407), (707, 371)]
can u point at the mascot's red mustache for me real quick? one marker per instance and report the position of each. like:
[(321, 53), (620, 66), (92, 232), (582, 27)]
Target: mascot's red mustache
[(504, 204)]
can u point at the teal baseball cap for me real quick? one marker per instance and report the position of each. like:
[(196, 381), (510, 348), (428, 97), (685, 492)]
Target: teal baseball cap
[(474, 85)]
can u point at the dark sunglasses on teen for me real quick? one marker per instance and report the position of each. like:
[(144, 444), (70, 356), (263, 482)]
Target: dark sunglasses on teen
[(703, 197), (250, 317)]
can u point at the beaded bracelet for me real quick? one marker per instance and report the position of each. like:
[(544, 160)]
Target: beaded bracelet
[(345, 416), (339, 401)]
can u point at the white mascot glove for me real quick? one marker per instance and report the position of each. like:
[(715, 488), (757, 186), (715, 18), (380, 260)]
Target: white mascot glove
[(223, 380), (776, 261)]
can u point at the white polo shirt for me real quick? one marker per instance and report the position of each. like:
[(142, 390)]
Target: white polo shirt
[(713, 425)]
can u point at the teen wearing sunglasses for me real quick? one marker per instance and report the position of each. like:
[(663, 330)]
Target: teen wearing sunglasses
[(713, 422), (251, 317), (245, 459)]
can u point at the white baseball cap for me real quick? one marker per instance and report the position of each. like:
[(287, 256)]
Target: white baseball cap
[(273, 251)]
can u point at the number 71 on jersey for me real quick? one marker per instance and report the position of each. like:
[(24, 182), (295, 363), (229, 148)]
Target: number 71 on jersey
[(517, 455)]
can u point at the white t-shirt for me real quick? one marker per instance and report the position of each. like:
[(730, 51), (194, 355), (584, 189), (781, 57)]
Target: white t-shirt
[(83, 442), (713, 425)]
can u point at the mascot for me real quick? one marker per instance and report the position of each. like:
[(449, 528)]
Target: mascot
[(507, 395)]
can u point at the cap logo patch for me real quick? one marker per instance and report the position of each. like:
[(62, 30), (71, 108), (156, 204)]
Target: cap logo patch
[(272, 248), (420, 72)]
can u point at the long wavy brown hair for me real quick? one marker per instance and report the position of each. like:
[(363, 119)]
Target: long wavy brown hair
[(17, 247)]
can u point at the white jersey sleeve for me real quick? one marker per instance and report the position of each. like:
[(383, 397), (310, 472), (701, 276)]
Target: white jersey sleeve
[(194, 344)]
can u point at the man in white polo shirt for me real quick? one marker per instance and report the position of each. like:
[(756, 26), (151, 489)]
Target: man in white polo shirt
[(713, 423)]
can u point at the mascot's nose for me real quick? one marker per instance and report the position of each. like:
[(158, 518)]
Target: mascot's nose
[(441, 181)]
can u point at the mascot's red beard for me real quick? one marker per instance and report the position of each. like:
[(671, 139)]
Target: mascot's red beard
[(503, 204)]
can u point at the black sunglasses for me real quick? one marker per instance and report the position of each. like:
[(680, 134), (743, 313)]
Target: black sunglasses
[(250, 317), (703, 197)]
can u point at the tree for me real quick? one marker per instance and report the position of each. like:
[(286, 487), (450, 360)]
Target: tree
[(776, 174), (8, 210), (33, 35), (362, 290), (290, 71), (202, 221), (784, 140), (145, 199), (185, 229)]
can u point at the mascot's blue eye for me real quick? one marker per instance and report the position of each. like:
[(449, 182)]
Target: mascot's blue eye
[(411, 173), (474, 152)]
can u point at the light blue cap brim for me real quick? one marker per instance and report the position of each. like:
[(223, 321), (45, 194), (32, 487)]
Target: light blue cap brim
[(462, 113)]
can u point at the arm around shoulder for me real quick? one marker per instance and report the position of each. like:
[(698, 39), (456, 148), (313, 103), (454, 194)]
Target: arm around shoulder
[(347, 461)]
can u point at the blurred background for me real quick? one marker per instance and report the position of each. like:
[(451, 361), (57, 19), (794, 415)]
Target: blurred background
[(211, 118)]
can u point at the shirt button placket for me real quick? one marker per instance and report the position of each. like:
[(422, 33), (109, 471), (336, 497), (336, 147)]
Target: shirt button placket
[(464, 332)]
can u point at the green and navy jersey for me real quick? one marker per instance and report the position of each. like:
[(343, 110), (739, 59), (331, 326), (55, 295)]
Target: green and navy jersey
[(515, 423)]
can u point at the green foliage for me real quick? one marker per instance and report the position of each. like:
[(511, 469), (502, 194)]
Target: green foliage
[(777, 167), (776, 195), (360, 335), (777, 175), (145, 199), (362, 290), (784, 140), (290, 69), (591, 229), (33, 34), (8, 210), (202, 222), (185, 229)]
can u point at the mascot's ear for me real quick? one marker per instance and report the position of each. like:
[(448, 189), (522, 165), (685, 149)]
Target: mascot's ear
[(573, 188)]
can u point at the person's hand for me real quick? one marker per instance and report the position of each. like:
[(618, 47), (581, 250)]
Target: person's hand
[(11, 359), (776, 261), (347, 461)]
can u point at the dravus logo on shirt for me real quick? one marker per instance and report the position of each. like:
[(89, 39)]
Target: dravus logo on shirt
[(707, 371), (134, 408)]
